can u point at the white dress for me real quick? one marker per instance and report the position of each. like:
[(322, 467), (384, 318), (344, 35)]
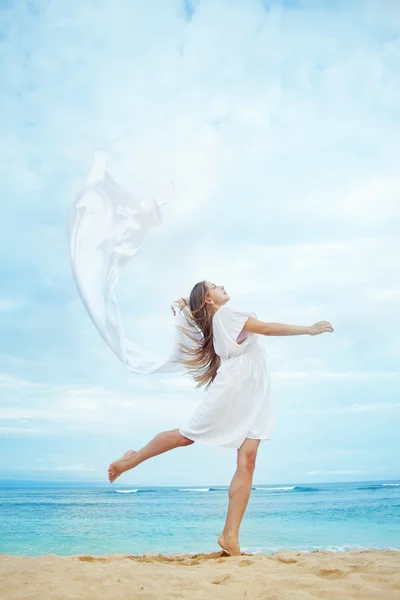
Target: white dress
[(238, 404)]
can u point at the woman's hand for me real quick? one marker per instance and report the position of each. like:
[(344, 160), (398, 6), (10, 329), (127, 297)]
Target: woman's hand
[(181, 303), (320, 327)]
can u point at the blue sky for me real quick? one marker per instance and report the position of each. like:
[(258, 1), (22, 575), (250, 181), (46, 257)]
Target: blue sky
[(278, 123)]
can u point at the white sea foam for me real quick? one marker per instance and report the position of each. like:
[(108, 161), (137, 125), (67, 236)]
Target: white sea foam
[(391, 484), (338, 548), (126, 491), (266, 550), (274, 489), (195, 490)]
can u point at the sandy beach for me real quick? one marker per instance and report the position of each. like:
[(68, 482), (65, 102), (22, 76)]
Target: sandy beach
[(284, 575)]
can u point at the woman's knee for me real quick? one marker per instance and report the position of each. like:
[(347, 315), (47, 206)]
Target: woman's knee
[(247, 461), (183, 440)]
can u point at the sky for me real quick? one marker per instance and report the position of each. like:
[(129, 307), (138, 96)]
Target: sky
[(272, 128)]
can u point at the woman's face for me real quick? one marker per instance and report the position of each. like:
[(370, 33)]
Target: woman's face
[(216, 293)]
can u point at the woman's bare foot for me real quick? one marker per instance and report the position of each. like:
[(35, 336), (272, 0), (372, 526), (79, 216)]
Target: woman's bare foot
[(121, 465), (229, 544)]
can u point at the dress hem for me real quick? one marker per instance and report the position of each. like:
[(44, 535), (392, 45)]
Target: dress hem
[(207, 442)]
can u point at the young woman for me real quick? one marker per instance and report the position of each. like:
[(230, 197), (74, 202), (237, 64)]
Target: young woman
[(237, 411)]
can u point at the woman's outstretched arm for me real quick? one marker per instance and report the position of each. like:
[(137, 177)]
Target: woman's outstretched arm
[(263, 328)]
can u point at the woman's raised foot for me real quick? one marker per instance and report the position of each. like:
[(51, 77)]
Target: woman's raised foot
[(117, 467)]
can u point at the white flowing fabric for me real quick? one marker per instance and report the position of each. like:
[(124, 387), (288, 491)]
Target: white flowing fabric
[(239, 402), (107, 228)]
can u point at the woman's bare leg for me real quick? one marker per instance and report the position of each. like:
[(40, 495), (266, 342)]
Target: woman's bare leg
[(162, 442), (239, 494)]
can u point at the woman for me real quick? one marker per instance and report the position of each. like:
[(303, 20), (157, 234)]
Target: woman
[(237, 411)]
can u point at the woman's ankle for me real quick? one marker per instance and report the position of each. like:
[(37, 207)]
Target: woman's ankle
[(230, 533)]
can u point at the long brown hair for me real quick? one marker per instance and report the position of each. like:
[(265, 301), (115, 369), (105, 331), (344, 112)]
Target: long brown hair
[(201, 360)]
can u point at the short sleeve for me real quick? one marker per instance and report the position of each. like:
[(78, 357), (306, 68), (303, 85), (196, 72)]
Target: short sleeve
[(233, 320)]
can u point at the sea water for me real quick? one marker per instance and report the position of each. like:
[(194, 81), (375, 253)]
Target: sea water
[(73, 518)]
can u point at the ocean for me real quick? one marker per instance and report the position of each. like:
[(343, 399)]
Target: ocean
[(74, 518)]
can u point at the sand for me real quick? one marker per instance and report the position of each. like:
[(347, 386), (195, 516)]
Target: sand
[(284, 575)]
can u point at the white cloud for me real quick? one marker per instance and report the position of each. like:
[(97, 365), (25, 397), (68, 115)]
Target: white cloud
[(17, 384), (336, 376), (9, 304), (78, 467), (337, 472), (69, 409), (17, 431), (354, 408)]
